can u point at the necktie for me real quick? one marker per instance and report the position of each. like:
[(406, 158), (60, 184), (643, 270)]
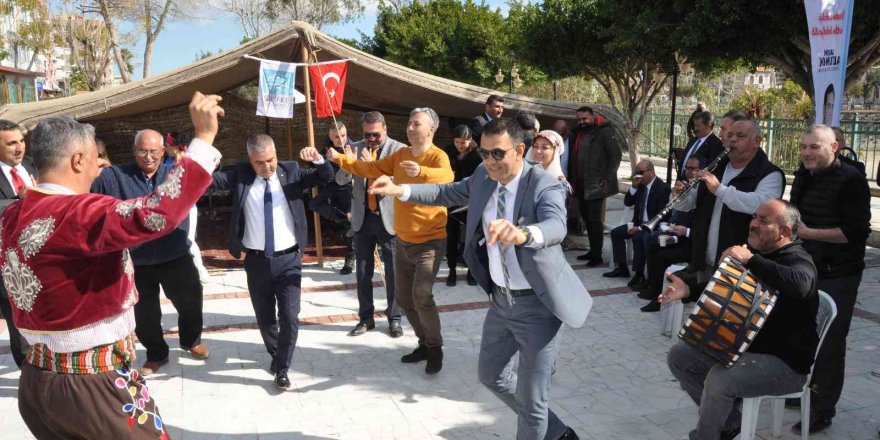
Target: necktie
[(502, 214), (641, 205), (697, 145), (17, 182), (268, 221), (372, 201)]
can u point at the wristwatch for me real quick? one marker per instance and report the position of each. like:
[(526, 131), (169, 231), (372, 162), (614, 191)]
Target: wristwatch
[(529, 238)]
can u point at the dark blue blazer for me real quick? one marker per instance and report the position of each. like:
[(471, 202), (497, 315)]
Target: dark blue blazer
[(294, 180)]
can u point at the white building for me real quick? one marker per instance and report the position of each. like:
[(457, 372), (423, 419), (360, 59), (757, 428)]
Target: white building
[(762, 78)]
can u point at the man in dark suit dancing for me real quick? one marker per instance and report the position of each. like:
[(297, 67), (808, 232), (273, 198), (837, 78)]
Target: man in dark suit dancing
[(17, 178), (515, 224), (268, 224)]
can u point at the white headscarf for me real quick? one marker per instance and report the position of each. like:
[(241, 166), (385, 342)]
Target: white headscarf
[(559, 147)]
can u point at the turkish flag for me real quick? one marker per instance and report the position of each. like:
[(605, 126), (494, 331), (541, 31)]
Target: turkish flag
[(328, 83)]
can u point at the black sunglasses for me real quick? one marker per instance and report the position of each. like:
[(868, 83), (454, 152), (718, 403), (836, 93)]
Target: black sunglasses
[(496, 154), (377, 134)]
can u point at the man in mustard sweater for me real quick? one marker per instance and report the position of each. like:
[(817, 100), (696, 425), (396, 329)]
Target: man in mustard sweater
[(421, 229)]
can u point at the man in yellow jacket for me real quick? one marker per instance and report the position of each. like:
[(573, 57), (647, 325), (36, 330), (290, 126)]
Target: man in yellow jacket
[(421, 229)]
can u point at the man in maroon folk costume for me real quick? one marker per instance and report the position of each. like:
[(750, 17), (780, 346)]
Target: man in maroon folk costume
[(70, 280)]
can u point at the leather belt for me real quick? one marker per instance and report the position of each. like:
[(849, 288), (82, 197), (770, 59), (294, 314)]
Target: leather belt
[(258, 253), (516, 293)]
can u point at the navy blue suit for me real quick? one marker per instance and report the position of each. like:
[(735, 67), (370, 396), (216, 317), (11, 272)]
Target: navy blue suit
[(276, 278)]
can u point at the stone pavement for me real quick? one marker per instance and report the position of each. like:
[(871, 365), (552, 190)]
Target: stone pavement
[(612, 381)]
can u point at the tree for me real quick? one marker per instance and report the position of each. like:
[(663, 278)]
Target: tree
[(259, 17), (458, 40), (35, 35), (89, 44), (111, 12), (768, 31), (608, 41), (151, 16)]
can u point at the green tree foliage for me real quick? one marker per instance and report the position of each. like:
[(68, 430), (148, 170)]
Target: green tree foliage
[(786, 101), (78, 81), (620, 44), (458, 40), (767, 31)]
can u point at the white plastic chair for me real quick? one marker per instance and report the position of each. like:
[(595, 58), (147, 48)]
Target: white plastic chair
[(673, 310), (750, 407)]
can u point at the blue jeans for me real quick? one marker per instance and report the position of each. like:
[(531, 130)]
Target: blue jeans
[(527, 327)]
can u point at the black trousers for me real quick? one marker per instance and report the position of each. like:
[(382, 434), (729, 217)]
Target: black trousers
[(179, 280), (591, 212), (371, 234), (17, 345), (661, 258), (828, 373), (619, 236), (276, 281), (454, 228)]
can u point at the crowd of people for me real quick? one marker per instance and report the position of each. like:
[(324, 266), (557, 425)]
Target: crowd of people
[(498, 200)]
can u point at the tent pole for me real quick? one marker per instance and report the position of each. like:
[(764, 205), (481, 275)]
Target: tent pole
[(310, 129)]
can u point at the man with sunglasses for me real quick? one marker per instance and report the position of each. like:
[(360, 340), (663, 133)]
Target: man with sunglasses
[(164, 262), (515, 225), (372, 220)]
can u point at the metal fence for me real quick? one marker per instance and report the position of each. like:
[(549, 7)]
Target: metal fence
[(781, 139)]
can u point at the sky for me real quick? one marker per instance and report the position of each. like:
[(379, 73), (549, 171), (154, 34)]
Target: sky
[(180, 43)]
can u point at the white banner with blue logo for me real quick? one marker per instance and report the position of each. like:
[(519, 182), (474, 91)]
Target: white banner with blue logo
[(277, 93), (830, 22)]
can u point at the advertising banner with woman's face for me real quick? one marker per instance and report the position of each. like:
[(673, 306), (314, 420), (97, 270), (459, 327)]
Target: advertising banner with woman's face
[(829, 24)]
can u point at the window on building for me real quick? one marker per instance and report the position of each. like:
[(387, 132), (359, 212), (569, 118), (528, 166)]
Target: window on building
[(761, 79)]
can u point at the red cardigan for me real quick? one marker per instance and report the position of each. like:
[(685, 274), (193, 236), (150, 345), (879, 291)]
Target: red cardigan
[(64, 257)]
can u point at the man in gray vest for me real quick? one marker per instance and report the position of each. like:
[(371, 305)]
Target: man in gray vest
[(372, 220)]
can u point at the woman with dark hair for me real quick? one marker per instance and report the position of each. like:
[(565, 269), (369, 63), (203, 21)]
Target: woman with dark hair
[(463, 159)]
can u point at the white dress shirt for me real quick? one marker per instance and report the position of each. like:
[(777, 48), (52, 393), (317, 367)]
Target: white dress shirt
[(282, 218), (517, 280), (22, 172), (699, 143), (632, 190)]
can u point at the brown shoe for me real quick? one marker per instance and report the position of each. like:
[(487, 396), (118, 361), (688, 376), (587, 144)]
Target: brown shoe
[(199, 351), (152, 367)]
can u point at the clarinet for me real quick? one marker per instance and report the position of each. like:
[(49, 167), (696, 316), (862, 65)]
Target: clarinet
[(689, 186)]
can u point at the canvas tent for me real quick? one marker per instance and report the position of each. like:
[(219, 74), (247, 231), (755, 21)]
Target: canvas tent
[(373, 84)]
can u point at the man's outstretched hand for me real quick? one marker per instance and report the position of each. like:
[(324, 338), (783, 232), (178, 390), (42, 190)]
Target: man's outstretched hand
[(205, 112), (383, 186)]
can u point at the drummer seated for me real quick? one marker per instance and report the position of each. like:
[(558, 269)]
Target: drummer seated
[(781, 355)]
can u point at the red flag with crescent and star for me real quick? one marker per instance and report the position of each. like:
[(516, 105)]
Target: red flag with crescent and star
[(328, 83)]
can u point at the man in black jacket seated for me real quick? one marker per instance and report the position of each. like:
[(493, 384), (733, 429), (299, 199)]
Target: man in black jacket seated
[(779, 359)]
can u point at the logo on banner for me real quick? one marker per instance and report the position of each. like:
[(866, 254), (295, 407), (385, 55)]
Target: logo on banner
[(328, 82), (277, 93)]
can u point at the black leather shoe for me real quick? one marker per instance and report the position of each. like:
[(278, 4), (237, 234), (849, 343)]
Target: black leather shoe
[(619, 272), (418, 355), (569, 434), (435, 360), (471, 280), (362, 328), (817, 423), (584, 257), (652, 306), (346, 266), (729, 434), (281, 381), (637, 281), (595, 263), (646, 294), (452, 279), (395, 330)]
